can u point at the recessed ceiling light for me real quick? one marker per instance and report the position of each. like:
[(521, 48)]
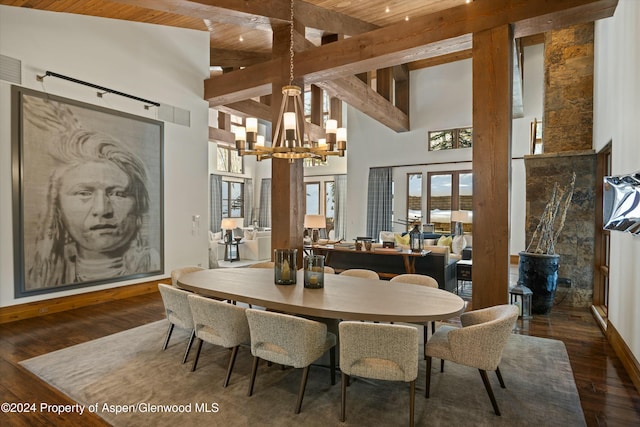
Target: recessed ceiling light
[(406, 18), (241, 39), (386, 9)]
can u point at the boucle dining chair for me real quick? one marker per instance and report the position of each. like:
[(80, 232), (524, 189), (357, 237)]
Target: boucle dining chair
[(329, 270), (289, 341), (422, 280), (478, 343), (379, 351), (361, 272), (176, 306), (219, 323), (176, 273)]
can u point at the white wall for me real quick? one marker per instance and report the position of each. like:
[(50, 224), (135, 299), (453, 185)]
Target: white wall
[(616, 113), (441, 98), (165, 64)]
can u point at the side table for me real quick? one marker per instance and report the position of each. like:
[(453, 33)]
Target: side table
[(231, 250), (463, 272)]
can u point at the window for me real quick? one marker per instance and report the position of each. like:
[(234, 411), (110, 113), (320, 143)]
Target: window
[(329, 203), (414, 197), (232, 199), (229, 160), (448, 191), (450, 139), (312, 190)]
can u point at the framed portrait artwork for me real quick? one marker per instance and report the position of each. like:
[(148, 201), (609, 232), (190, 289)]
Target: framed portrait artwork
[(87, 194)]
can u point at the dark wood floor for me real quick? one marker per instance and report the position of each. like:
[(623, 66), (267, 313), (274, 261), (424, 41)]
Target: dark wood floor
[(607, 394)]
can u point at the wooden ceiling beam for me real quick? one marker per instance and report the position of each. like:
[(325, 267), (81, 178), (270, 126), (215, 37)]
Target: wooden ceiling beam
[(227, 58), (359, 95), (423, 37), (221, 135), (258, 14)]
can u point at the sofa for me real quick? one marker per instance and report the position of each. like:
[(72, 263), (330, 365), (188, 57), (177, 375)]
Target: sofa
[(255, 245)]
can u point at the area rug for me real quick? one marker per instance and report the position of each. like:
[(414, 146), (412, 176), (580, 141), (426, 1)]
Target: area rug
[(129, 381)]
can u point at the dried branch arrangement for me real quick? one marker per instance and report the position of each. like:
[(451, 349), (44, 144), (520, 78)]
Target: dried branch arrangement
[(552, 220)]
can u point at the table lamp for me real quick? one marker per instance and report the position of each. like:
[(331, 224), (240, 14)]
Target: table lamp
[(228, 224), (315, 222), (459, 218)]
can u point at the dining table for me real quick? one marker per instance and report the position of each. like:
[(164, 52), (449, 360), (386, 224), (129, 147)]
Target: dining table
[(342, 297)]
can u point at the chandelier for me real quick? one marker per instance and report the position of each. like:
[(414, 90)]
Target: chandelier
[(291, 139)]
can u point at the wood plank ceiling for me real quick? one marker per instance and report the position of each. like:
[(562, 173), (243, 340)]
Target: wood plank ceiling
[(241, 35)]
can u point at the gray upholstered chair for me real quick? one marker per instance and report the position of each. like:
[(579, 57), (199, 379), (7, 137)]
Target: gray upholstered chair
[(479, 343), (422, 280), (361, 272), (219, 323), (289, 341), (379, 351), (176, 306), (176, 273)]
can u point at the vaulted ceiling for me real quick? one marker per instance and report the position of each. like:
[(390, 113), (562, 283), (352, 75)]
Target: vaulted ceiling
[(365, 35)]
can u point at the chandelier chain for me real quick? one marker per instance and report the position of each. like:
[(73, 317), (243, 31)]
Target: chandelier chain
[(291, 53)]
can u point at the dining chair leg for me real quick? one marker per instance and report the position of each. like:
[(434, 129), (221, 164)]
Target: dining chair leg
[(254, 370), (441, 365), (412, 402), (195, 361), (428, 379), (500, 377), (332, 358), (232, 361), (487, 385), (343, 401), (433, 328), (166, 340), (303, 385), (186, 353)]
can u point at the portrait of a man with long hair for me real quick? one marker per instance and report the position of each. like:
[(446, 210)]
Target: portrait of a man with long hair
[(91, 196)]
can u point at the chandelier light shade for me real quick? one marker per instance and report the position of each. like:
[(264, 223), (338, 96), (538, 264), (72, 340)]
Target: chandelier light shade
[(291, 138)]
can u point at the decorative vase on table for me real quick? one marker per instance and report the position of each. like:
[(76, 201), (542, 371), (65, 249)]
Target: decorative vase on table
[(539, 272)]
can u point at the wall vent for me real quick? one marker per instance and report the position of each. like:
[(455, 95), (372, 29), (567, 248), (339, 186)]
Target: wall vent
[(10, 69)]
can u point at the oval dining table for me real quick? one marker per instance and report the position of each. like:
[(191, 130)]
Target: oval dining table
[(342, 297)]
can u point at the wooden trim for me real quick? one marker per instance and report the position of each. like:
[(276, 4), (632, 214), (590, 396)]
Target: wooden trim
[(623, 351), (57, 305), (514, 259)]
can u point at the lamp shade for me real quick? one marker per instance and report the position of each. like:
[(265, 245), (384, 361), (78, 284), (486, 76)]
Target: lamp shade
[(315, 221), (461, 216), (228, 224)]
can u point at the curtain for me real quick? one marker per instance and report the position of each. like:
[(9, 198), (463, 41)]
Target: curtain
[(215, 187), (379, 201), (264, 215), (340, 207), (248, 202)]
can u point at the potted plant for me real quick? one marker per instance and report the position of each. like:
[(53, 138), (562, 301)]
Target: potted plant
[(538, 264)]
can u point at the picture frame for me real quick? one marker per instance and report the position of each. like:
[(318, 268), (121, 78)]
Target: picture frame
[(87, 187)]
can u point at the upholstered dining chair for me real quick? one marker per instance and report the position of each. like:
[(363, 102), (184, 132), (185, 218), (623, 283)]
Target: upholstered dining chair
[(361, 272), (329, 270), (289, 341), (178, 313), (422, 280), (265, 264), (478, 343), (176, 273), (379, 351), (219, 323)]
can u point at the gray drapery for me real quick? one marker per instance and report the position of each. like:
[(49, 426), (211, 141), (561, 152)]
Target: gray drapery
[(379, 201), (215, 188), (264, 215), (340, 207), (248, 202)]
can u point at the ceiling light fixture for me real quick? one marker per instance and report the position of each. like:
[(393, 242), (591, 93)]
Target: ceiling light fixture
[(291, 139)]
